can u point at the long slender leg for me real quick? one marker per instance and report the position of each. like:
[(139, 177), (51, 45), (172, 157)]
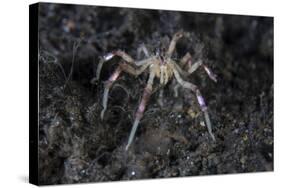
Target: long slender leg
[(200, 100), (176, 66), (193, 67), (146, 94), (204, 108), (108, 85), (98, 71), (132, 70), (143, 49), (160, 98), (174, 41), (125, 57), (186, 59), (210, 73), (121, 54), (122, 67), (101, 62), (198, 64), (176, 90)]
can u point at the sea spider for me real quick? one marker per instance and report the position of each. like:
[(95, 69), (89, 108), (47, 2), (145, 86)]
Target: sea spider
[(159, 65)]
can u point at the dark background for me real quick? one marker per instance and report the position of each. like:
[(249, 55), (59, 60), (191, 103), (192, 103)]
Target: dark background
[(76, 146)]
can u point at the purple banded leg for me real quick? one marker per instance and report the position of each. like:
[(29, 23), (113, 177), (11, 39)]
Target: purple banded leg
[(108, 57), (200, 100), (204, 108), (210, 73), (145, 97), (139, 114), (186, 59), (108, 85), (198, 64)]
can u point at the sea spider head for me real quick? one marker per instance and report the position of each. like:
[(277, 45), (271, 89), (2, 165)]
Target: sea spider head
[(161, 55), (161, 47)]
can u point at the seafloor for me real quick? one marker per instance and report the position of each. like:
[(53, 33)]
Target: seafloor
[(75, 145)]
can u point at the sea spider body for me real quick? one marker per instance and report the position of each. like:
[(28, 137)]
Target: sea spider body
[(161, 66), (162, 70)]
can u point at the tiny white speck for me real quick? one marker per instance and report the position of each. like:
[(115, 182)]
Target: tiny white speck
[(108, 56), (133, 173), (202, 123), (168, 152)]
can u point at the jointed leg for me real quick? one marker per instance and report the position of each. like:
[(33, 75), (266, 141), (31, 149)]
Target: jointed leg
[(186, 59), (108, 85), (176, 90), (122, 67), (200, 100), (143, 49), (210, 73), (121, 54), (193, 67), (132, 70), (109, 56), (178, 68), (127, 58), (146, 94), (160, 98), (203, 107), (98, 71), (198, 64), (174, 41)]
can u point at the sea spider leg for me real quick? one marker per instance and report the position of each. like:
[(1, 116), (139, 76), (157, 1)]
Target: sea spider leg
[(122, 67), (160, 98), (200, 100), (185, 59), (198, 64), (145, 61), (121, 54), (127, 58), (101, 61), (177, 67), (132, 70), (210, 73), (107, 86), (176, 90), (108, 57), (142, 48), (193, 67), (146, 94), (174, 41)]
